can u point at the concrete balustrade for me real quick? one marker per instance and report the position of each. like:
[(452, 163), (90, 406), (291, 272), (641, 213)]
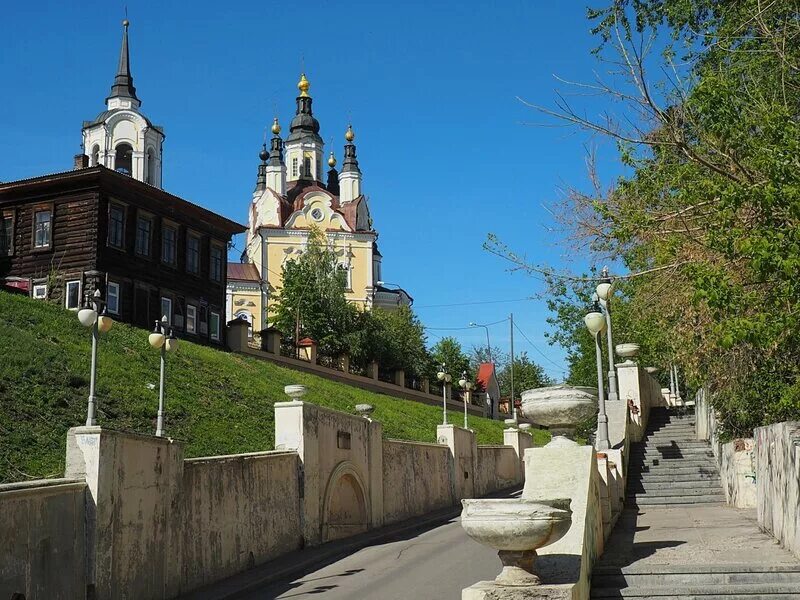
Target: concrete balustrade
[(135, 515)]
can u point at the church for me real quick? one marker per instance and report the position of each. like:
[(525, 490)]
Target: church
[(290, 198)]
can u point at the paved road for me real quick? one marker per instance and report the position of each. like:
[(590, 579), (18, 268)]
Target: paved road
[(432, 565)]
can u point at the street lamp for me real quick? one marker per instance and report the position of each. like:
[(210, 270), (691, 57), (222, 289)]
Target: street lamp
[(93, 314), (162, 338), (445, 378), (604, 292), (595, 323), (488, 345), (466, 386)]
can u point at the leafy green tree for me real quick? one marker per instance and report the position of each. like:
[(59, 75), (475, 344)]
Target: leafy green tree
[(311, 301), (396, 339), (448, 351), (527, 376)]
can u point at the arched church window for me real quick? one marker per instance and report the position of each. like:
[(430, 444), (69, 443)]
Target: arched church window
[(150, 167), (294, 167), (124, 159), (95, 155)]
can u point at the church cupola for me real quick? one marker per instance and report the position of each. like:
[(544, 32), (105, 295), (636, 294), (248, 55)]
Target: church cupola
[(261, 180), (304, 145), (350, 177), (121, 137), (276, 168), (333, 176)]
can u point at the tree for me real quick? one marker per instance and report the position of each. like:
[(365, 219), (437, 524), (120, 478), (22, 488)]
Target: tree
[(396, 339), (707, 219), (311, 301), (527, 376), (448, 351)]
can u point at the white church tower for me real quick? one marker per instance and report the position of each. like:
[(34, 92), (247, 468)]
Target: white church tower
[(121, 137)]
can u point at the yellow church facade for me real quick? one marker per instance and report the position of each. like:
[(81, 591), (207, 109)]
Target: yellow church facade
[(290, 199)]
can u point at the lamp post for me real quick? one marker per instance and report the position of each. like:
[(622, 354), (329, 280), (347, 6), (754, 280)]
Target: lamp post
[(604, 292), (595, 323), (162, 338), (488, 345), (466, 385), (93, 314), (445, 378)]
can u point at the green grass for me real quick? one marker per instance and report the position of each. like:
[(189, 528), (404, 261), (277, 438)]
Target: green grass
[(217, 402)]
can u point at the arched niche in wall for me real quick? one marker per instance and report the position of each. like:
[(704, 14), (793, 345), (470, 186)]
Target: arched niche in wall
[(123, 161), (345, 511)]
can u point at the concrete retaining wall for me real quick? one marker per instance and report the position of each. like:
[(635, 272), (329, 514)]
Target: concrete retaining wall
[(236, 511), (417, 480), (778, 482), (495, 469), (737, 472), (42, 539)]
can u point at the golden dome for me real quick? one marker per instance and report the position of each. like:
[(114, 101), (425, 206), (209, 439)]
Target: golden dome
[(276, 128), (303, 85), (349, 135), (331, 160)]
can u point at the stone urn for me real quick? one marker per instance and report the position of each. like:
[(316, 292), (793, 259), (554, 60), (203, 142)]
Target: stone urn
[(651, 370), (627, 351), (295, 391), (559, 408), (516, 528)]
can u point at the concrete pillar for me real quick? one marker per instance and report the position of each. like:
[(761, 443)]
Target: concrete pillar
[(372, 370), (604, 484), (520, 441), (344, 363), (271, 340), (426, 385), (308, 350), (237, 335), (400, 378), (463, 453), (330, 444), (133, 487), (631, 381)]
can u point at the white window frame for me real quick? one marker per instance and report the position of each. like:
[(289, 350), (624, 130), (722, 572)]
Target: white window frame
[(46, 231), (40, 287), (169, 312), (112, 286), (348, 273), (191, 318), (214, 331), (66, 294)]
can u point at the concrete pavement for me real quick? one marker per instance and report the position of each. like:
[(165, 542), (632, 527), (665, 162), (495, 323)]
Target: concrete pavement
[(433, 565)]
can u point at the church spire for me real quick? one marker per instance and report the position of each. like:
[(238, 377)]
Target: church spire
[(350, 176), (123, 81)]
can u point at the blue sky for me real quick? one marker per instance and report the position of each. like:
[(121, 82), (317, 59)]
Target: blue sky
[(431, 88)]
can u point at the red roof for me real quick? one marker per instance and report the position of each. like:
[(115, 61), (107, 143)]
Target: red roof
[(485, 374), (243, 272)]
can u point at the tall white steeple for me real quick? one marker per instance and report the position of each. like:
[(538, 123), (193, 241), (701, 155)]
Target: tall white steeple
[(121, 137), (350, 177)]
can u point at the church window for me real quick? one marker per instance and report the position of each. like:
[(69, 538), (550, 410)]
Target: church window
[(124, 159), (307, 164), (116, 226), (150, 167), (294, 167), (317, 214), (95, 155), (346, 274), (192, 254)]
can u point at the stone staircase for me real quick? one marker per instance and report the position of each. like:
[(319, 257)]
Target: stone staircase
[(670, 467), (677, 538)]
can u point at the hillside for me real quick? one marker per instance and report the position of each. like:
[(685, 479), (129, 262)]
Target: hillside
[(217, 402)]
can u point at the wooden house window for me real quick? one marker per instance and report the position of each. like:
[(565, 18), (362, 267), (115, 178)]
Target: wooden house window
[(216, 263), (166, 309), (112, 298), (192, 253), (213, 323), (7, 234), (169, 245), (116, 226), (191, 319), (40, 291), (42, 228), (72, 298), (144, 227)]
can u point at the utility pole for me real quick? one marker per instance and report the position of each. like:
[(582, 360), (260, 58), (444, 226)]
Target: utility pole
[(513, 404)]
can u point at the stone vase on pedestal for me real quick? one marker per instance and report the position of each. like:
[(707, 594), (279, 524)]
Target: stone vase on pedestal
[(516, 528), (560, 408)]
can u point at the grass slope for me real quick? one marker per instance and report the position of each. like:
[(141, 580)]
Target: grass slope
[(218, 402)]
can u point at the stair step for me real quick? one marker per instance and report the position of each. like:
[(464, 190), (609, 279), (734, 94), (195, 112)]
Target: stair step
[(640, 487), (675, 580), (675, 491), (665, 500), (667, 478), (741, 590)]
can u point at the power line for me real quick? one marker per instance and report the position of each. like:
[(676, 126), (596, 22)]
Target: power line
[(474, 303), (543, 355), (462, 328)]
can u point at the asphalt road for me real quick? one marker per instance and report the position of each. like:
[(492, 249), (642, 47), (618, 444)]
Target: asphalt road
[(431, 565)]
